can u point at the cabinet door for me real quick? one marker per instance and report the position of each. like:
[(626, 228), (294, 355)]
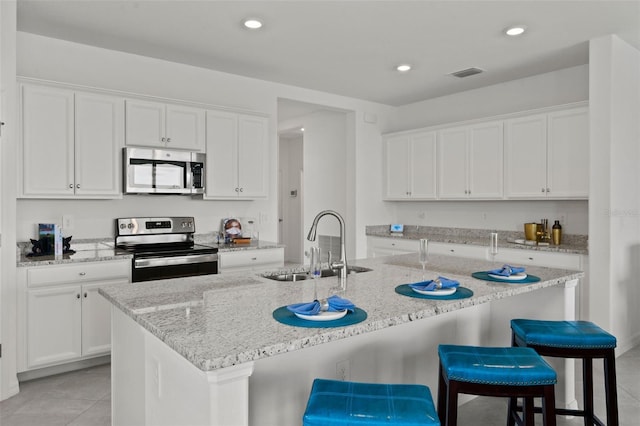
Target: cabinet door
[(96, 319), (452, 164), (185, 127), (396, 167), (53, 325), (253, 156), (422, 160), (145, 123), (485, 168), (568, 154), (246, 260), (99, 133), (47, 141), (222, 155), (526, 157)]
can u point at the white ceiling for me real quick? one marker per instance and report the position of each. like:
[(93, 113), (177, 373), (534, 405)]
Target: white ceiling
[(349, 48)]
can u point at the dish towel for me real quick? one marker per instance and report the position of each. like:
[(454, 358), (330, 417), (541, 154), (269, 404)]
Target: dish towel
[(507, 270), (438, 283), (334, 303)]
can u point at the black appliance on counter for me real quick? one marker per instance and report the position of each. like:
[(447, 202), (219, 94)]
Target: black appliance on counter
[(163, 247)]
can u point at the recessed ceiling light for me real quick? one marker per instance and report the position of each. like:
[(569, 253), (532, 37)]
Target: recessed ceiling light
[(302, 129), (403, 67), (252, 24), (515, 30)]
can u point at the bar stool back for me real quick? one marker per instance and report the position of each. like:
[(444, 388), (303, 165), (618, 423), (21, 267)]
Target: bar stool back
[(338, 403), (574, 339), (500, 372)]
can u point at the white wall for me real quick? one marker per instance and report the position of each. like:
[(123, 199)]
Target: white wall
[(325, 166), (8, 115), (57, 60), (614, 199), (544, 90)]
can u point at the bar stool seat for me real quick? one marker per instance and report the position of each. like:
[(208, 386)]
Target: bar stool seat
[(338, 403), (574, 339), (500, 372)]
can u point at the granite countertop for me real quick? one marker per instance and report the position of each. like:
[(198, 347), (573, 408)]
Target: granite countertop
[(86, 251), (217, 321), (103, 250), (575, 244)]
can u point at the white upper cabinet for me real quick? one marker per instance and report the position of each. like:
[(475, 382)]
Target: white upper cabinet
[(237, 156), (71, 143), (410, 166), (99, 135), (568, 154), (161, 125), (547, 155), (470, 162), (47, 141)]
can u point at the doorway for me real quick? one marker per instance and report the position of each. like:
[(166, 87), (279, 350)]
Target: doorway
[(290, 194)]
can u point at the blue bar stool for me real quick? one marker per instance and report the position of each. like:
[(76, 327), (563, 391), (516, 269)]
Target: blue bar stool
[(500, 372), (338, 403), (574, 339)]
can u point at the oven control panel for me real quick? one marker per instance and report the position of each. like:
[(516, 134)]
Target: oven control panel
[(155, 225)]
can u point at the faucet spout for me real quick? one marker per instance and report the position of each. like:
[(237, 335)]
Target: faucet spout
[(342, 263)]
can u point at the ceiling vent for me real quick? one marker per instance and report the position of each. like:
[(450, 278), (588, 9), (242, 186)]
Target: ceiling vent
[(466, 73)]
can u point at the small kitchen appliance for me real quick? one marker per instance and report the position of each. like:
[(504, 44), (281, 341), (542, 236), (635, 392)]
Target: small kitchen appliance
[(163, 247), (162, 171)]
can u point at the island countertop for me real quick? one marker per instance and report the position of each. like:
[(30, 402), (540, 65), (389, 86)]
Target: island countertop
[(217, 321)]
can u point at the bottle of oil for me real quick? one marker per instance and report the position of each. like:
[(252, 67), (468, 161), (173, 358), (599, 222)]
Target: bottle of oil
[(556, 233)]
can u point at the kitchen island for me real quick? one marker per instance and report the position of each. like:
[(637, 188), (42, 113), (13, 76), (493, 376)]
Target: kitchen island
[(206, 350)]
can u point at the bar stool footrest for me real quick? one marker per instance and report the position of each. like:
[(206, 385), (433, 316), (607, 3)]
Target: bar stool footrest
[(566, 412)]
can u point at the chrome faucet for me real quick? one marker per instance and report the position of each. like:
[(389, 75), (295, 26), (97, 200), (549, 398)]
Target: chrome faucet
[(342, 263)]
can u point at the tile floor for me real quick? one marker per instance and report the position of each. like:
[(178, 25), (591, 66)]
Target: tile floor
[(83, 398)]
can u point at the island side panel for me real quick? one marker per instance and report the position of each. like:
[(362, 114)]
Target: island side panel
[(154, 385), (127, 370)]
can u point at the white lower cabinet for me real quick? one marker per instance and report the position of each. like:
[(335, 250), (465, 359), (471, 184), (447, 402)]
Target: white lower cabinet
[(248, 260), (381, 246), (62, 316)]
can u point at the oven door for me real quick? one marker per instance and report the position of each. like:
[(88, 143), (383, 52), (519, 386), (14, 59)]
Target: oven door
[(163, 266)]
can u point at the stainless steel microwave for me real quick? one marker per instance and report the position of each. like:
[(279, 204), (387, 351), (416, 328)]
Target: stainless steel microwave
[(162, 171)]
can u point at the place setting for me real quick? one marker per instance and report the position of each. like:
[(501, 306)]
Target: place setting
[(440, 288), (506, 273), (334, 311)]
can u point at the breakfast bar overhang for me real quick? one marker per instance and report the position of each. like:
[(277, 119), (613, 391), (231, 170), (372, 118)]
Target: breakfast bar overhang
[(207, 350)]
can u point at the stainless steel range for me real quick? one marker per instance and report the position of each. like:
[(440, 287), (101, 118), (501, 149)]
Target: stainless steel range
[(163, 247)]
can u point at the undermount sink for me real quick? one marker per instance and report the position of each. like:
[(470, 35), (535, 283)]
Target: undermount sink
[(300, 276)]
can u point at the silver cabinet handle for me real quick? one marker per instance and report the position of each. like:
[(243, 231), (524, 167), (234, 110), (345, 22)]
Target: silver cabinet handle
[(78, 185), (82, 274), (548, 190), (78, 296), (237, 189), (168, 139), (542, 189), (241, 189), (70, 186), (163, 139)]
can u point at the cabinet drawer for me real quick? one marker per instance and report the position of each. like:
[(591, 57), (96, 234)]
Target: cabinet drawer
[(395, 244), (77, 273), (249, 259), (462, 250), (539, 258)]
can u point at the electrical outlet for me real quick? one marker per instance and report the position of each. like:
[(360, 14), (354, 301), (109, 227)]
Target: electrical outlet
[(343, 370), (67, 222), (156, 376)]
